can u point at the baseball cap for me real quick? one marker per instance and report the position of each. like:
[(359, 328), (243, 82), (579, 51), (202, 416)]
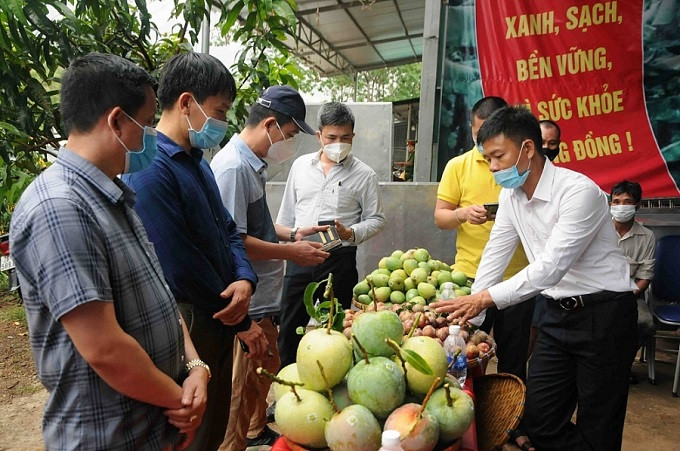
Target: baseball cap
[(286, 100)]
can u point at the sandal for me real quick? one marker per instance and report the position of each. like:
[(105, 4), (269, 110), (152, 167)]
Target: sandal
[(520, 439)]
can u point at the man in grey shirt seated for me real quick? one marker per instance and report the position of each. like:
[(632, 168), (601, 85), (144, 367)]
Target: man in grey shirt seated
[(638, 245), (330, 185)]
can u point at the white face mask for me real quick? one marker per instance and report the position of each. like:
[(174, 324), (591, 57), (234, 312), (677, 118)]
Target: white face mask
[(622, 213), (281, 151), (337, 151)]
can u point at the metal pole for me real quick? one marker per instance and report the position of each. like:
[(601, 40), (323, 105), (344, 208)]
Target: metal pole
[(428, 92), (205, 34), (356, 85), (408, 122)]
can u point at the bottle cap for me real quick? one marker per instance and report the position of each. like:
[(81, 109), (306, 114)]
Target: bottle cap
[(391, 437), (454, 329)]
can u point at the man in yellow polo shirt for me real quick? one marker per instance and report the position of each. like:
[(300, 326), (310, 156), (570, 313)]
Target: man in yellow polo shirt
[(466, 185)]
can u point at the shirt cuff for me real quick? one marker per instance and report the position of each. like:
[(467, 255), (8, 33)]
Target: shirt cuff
[(503, 295)]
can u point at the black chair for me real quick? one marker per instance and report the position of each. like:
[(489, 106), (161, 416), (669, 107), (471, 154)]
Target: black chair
[(663, 300)]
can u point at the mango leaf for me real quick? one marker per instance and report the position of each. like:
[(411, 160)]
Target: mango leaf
[(284, 10), (65, 11), (417, 362), (14, 8), (308, 299)]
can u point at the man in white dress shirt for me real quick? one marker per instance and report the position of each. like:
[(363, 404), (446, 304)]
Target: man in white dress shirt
[(587, 339), (330, 185)]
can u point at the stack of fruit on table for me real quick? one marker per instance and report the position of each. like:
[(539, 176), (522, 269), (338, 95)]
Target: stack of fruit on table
[(343, 393), (406, 283), (387, 369), (410, 276)]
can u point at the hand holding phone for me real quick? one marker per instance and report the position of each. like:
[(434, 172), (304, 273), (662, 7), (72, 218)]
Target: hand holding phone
[(491, 210)]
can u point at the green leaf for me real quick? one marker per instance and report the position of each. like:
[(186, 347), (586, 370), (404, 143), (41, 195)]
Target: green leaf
[(284, 10), (417, 362), (10, 128), (65, 11), (231, 18), (308, 299), (14, 8)]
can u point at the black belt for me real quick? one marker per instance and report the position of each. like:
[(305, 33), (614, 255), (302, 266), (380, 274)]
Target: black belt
[(584, 300)]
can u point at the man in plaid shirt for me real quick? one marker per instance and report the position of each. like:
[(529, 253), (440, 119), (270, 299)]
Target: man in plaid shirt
[(107, 337)]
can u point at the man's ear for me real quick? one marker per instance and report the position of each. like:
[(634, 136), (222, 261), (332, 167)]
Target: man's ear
[(268, 122), (183, 102), (531, 148), (112, 119)]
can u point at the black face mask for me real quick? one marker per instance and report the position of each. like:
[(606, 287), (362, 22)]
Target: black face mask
[(550, 153)]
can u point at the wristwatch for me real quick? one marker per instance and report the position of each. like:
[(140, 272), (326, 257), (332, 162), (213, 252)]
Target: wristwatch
[(352, 236), (293, 231), (198, 362)]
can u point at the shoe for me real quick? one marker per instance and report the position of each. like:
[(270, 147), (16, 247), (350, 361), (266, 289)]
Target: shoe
[(266, 438), (270, 413)]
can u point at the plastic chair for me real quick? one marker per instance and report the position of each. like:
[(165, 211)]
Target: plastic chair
[(663, 300)]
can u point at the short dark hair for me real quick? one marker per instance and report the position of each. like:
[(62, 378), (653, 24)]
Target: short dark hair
[(486, 106), (97, 82), (334, 113), (258, 113), (514, 122), (626, 187), (552, 124), (201, 74)]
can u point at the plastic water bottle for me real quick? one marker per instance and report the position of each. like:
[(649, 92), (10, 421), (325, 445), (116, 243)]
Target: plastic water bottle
[(447, 291), (453, 344), (391, 441)]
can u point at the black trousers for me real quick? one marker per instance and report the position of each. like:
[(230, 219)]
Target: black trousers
[(511, 328), (582, 358), (214, 343), (343, 264), (511, 331)]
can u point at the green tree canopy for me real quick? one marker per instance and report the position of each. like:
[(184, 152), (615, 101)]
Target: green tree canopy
[(38, 39), (388, 84)]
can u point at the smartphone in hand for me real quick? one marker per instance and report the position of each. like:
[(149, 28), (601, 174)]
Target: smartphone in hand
[(491, 210)]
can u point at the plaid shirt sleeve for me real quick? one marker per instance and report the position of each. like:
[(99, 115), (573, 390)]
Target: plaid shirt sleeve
[(64, 256)]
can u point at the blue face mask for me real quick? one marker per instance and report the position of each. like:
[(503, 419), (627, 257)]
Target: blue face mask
[(211, 133), (510, 177), (137, 160)]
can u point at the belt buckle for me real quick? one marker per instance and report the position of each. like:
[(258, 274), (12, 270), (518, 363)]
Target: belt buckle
[(571, 302)]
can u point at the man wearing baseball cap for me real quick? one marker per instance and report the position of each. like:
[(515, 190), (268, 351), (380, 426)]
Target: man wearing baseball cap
[(241, 174), (330, 186)]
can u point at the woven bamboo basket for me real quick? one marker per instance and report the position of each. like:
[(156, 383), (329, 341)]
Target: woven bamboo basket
[(499, 406), (477, 367)]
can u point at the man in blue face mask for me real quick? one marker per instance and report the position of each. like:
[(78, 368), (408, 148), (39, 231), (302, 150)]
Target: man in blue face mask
[(107, 337), (587, 335), (275, 119), (196, 239)]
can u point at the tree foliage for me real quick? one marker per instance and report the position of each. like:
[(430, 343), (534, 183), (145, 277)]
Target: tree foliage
[(38, 39), (379, 85)]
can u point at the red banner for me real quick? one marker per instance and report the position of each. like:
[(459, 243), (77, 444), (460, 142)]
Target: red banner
[(578, 63)]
